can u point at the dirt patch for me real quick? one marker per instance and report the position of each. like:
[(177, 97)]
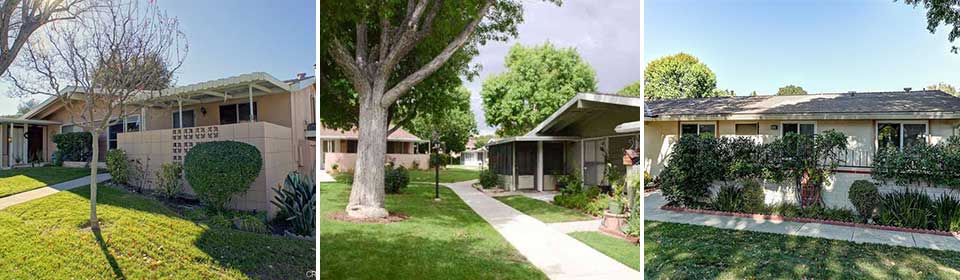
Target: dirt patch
[(392, 218)]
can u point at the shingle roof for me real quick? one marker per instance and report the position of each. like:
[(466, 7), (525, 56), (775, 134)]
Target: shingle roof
[(859, 102)]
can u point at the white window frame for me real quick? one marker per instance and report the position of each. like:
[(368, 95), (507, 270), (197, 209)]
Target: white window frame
[(876, 131), (124, 126), (783, 132), (716, 127), (71, 124), (174, 124)]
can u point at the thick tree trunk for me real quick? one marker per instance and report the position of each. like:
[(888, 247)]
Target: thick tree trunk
[(94, 223), (367, 193)]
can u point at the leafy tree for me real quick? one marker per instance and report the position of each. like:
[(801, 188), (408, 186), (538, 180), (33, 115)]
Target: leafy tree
[(679, 76), (384, 50), (944, 87), (941, 12), (454, 124), (753, 93), (537, 82), (723, 92), (791, 90), (482, 140), (807, 160), (26, 105), (19, 19), (631, 89)]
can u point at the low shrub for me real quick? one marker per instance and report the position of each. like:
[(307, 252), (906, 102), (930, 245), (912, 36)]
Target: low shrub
[(572, 201), (396, 179), (908, 208), (250, 223), (729, 199), (220, 220), (812, 212), (946, 213), (169, 179), (571, 183), (490, 179), (74, 146), (297, 200), (442, 159), (753, 197), (219, 170), (865, 198), (117, 166), (598, 204), (56, 159)]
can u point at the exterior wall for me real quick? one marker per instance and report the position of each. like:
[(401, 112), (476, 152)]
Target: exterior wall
[(347, 161), (273, 108), (657, 140), (155, 147)]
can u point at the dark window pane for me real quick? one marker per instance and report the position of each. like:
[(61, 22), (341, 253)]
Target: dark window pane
[(244, 111), (807, 129), (688, 129), (914, 134), (888, 135), (708, 129), (553, 158), (352, 146), (228, 114), (790, 128)]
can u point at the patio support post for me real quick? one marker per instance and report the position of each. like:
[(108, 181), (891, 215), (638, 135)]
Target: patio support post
[(180, 112), (539, 166), (250, 96)]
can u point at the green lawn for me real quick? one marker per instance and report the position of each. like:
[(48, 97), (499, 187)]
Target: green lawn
[(18, 180), (544, 211), (439, 240), (618, 249), (677, 251), (449, 175), (140, 239)]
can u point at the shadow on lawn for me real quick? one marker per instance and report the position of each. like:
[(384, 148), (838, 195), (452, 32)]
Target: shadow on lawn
[(682, 251), (109, 256)]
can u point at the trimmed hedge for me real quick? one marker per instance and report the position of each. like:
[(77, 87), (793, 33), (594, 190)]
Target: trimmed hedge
[(117, 166), (934, 165), (865, 198), (221, 169), (74, 146)]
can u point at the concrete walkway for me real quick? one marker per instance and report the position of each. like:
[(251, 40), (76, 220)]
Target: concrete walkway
[(48, 190), (323, 177), (545, 196), (568, 227), (555, 253), (653, 201)]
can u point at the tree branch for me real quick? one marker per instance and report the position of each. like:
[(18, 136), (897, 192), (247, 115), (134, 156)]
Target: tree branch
[(350, 68)]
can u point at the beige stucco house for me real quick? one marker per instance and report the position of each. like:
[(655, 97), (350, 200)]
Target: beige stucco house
[(164, 127), (868, 119), (584, 134), (339, 149)]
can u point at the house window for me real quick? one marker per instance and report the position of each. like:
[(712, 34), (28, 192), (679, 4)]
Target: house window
[(698, 129), (747, 129), (235, 113), (130, 124), (351, 146), (900, 134), (801, 128), (395, 147), (68, 128), (188, 119)]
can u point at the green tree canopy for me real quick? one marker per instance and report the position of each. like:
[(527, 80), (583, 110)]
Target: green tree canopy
[(943, 12), (679, 76), (791, 90), (454, 122), (537, 82), (943, 87), (631, 89)]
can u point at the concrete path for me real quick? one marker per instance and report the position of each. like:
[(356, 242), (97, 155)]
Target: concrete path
[(654, 200), (323, 177), (545, 196), (568, 227), (48, 190), (555, 253)]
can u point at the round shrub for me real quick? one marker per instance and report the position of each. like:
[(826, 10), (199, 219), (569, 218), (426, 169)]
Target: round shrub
[(117, 166), (865, 198), (490, 179), (220, 169), (74, 146), (752, 196), (396, 179)]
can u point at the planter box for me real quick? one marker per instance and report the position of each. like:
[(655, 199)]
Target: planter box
[(612, 223)]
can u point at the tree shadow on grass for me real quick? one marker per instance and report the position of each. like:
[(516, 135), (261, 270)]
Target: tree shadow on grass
[(109, 256), (675, 251)]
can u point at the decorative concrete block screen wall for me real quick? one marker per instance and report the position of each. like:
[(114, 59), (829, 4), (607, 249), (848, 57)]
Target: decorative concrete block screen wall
[(154, 147)]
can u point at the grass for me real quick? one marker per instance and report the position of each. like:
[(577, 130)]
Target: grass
[(140, 238), (544, 211), (677, 251), (618, 249), (439, 240), (448, 175), (18, 180)]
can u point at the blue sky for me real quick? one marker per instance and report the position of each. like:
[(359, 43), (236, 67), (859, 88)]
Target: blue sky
[(234, 37), (823, 46)]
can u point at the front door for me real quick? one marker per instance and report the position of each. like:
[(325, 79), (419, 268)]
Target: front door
[(35, 144)]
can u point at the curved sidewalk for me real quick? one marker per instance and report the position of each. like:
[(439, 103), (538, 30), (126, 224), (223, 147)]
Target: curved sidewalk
[(556, 254), (49, 190), (652, 212)]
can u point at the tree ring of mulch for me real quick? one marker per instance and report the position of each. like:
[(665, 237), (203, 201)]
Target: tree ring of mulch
[(392, 218)]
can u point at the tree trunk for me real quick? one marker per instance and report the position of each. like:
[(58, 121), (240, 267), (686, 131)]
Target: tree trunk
[(367, 193), (94, 224)]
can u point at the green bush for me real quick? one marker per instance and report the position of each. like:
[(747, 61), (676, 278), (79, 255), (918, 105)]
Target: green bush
[(693, 163), (56, 159), (220, 220), (396, 179), (729, 199), (442, 159), (571, 183), (250, 223), (753, 197), (117, 166), (932, 164), (813, 212), (598, 204), (74, 146), (490, 179), (946, 213), (865, 198), (297, 200), (589, 200), (221, 169), (169, 179), (908, 208)]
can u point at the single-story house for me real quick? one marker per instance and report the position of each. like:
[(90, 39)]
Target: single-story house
[(339, 149), (580, 138), (473, 156), (869, 120), (275, 116)]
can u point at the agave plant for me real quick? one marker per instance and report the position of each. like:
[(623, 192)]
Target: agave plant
[(297, 199)]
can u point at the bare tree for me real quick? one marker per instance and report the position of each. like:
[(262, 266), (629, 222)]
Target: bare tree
[(102, 67), (20, 18)]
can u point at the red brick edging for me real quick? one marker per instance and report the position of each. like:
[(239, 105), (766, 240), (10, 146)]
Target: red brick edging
[(808, 220)]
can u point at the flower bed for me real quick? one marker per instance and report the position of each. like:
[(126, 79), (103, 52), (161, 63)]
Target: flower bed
[(807, 220)]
